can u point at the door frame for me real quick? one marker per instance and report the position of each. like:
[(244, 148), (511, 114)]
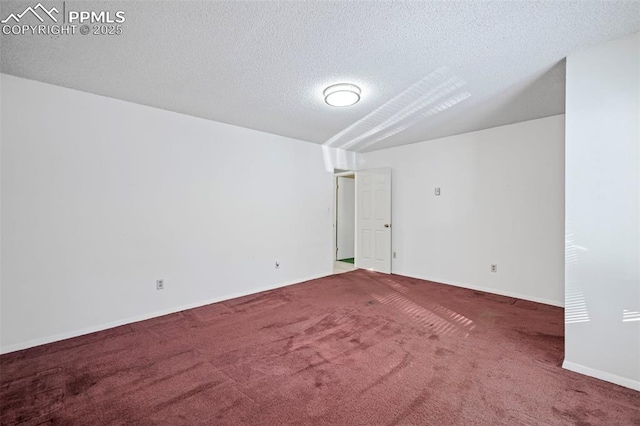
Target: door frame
[(336, 175)]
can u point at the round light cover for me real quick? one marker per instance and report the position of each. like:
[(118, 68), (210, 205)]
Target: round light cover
[(343, 94)]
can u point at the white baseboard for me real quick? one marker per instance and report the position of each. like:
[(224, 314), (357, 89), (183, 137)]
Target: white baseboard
[(489, 290), (602, 375), (130, 320)]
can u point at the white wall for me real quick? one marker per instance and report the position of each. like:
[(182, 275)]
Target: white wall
[(101, 197), (346, 218), (501, 202), (602, 333)]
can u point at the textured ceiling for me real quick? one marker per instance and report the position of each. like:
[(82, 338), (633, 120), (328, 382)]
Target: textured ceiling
[(426, 69)]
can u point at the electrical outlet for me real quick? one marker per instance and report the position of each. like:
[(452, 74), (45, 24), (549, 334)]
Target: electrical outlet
[(494, 268), (437, 191), (159, 284), (277, 264)]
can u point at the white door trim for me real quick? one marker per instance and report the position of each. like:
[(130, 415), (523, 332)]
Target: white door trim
[(334, 228)]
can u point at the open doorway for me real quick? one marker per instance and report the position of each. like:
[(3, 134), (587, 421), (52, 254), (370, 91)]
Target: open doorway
[(344, 222)]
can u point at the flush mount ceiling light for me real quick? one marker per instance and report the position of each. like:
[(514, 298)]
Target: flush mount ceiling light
[(343, 94)]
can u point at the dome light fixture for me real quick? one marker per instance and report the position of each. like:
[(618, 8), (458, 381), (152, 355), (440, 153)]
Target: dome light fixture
[(343, 94)]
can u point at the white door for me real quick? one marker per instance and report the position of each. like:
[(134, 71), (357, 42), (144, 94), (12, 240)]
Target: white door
[(373, 250)]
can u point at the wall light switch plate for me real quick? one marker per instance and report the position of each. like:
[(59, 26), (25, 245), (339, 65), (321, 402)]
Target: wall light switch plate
[(437, 191)]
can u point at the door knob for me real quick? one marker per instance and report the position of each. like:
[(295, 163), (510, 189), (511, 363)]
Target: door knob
[(387, 225)]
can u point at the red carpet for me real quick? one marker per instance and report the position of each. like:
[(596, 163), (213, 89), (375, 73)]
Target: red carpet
[(354, 349)]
